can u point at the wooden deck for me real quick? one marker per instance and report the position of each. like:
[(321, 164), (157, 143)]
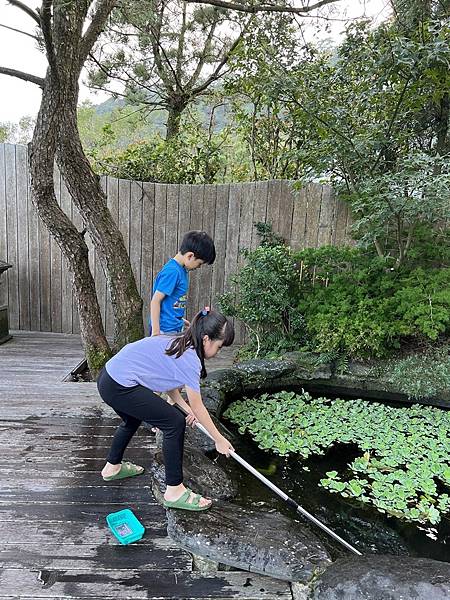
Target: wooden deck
[(53, 503)]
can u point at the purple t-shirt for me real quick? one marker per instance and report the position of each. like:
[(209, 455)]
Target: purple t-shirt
[(145, 363)]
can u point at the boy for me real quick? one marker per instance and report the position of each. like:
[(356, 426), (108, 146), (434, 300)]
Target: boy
[(168, 302)]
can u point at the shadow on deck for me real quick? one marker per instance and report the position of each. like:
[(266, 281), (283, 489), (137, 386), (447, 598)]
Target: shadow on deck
[(53, 503)]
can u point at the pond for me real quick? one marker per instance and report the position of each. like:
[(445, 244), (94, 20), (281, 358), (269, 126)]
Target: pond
[(361, 525)]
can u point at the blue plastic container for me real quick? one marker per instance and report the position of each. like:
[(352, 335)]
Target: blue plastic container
[(125, 526)]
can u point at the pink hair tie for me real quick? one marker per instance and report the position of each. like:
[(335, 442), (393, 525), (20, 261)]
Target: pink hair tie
[(205, 311)]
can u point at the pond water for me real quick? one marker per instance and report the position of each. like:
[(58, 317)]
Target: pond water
[(370, 531)]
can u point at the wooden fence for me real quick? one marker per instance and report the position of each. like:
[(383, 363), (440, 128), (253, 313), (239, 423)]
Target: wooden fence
[(152, 219)]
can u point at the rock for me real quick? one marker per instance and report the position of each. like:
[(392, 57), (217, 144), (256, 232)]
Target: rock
[(201, 474), (308, 365), (384, 578), (212, 398), (256, 541), (197, 439), (300, 591)]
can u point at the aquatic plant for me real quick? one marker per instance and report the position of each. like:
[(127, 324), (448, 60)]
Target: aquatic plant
[(403, 467)]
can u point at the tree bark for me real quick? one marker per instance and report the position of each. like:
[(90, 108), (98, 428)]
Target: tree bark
[(71, 242), (174, 119), (87, 194)]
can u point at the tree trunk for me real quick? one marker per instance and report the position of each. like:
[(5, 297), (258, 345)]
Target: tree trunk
[(71, 242), (174, 120), (84, 187)]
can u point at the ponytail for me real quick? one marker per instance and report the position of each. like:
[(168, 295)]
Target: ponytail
[(206, 322)]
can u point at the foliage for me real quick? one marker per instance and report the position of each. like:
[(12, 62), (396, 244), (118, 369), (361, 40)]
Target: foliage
[(370, 116), (370, 311), (416, 192), (403, 467), (341, 301), (193, 156), (165, 54), (421, 376), (266, 299), (17, 133), (260, 119)]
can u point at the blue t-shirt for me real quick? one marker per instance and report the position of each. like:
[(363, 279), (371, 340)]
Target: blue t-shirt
[(146, 363), (172, 281)]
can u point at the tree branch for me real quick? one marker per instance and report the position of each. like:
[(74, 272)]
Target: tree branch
[(19, 31), (29, 11), (46, 28), (263, 7), (24, 76), (98, 21), (216, 74)]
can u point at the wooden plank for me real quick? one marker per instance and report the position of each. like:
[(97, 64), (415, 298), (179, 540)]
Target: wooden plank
[(245, 238), (148, 215), (273, 205), (298, 231), (286, 210), (143, 555), (78, 223), (171, 235), (3, 226), (260, 195), (196, 223), (348, 228), (26, 512), (66, 275), (208, 225), (159, 240), (314, 196), (34, 263), (232, 245), (136, 203), (184, 221), (326, 218), (124, 211), (146, 555), (220, 236), (22, 236), (141, 584), (12, 232), (56, 266), (245, 219), (112, 187), (184, 211)]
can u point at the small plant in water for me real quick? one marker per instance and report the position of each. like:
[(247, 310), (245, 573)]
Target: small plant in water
[(403, 469)]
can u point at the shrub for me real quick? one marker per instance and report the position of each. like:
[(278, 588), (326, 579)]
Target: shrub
[(338, 301)]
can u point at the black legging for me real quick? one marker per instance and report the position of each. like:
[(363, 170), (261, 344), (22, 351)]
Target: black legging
[(136, 404)]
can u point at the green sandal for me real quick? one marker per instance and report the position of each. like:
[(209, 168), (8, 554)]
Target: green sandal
[(183, 503), (127, 469)]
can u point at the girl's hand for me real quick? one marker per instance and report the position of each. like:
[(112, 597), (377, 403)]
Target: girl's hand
[(191, 420), (223, 446)]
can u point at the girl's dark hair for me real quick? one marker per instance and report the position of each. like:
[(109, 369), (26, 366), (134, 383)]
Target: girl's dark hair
[(201, 244), (206, 322)]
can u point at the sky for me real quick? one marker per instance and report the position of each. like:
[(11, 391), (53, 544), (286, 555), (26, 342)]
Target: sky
[(20, 98)]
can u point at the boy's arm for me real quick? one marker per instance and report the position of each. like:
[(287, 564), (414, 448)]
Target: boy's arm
[(155, 312)]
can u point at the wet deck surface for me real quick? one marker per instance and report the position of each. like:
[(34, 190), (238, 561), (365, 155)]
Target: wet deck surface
[(53, 504)]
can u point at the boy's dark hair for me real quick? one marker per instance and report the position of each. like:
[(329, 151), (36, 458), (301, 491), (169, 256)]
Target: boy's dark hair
[(201, 244), (206, 322)]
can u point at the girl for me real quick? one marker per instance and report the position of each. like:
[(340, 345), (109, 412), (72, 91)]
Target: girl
[(128, 384)]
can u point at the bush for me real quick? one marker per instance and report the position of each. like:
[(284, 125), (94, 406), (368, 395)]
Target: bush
[(339, 301), (265, 300)]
